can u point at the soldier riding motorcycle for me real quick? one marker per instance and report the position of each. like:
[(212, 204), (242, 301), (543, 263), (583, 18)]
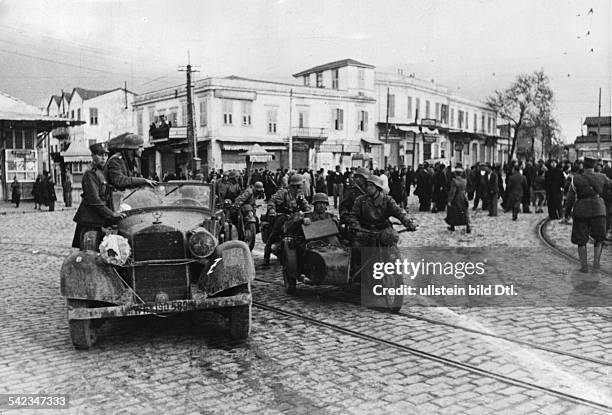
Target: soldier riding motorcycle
[(242, 213)]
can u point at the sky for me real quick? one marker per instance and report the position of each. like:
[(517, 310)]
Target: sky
[(474, 47)]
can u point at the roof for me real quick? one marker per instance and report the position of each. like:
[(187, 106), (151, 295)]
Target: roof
[(334, 65), (54, 98), (87, 93), (10, 104), (43, 122), (592, 138), (605, 121)]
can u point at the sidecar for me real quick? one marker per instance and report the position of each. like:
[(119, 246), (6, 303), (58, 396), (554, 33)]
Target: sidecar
[(316, 257)]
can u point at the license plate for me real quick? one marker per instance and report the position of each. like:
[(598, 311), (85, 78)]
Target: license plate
[(173, 307)]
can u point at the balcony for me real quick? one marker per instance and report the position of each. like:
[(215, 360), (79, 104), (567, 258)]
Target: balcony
[(310, 133)]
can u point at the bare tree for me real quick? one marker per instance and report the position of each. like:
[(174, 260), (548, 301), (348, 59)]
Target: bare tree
[(528, 102)]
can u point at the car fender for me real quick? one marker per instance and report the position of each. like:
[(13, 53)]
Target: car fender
[(232, 265), (85, 275)]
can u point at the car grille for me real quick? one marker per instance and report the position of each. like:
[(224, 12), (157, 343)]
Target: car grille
[(172, 279), (158, 242)]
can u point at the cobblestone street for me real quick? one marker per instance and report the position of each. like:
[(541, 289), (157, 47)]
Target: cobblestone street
[(323, 354)]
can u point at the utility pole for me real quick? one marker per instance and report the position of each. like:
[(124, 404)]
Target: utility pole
[(387, 132), (290, 135), (125, 93), (192, 142), (599, 127)]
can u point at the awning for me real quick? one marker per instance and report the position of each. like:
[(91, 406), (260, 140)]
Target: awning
[(44, 123), (247, 146), (413, 129), (372, 141)]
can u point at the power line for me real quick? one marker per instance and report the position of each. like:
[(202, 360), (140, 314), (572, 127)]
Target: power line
[(56, 62)]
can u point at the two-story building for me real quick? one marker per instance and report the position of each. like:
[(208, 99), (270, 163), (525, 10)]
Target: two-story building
[(422, 121), (103, 115), (586, 145), (327, 116)]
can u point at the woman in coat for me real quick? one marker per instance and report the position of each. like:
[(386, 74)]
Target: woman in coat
[(457, 203), (16, 192), (36, 192)]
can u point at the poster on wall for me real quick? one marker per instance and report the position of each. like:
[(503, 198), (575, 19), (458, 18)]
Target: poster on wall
[(21, 164)]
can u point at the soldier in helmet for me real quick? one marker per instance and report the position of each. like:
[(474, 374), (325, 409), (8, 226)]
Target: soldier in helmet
[(285, 201), (233, 189), (121, 170), (353, 192), (373, 210), (586, 198), (93, 213)]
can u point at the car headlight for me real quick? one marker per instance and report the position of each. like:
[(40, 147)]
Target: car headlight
[(202, 243)]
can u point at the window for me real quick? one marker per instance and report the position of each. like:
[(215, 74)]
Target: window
[(489, 125), (302, 119), (272, 121), (29, 139), (460, 118), (409, 108), (475, 122), (444, 114), (185, 116), (426, 109), (362, 117), (319, 79), (391, 105), (334, 78), (338, 118), (452, 123), (438, 112), (360, 79), (172, 118), (494, 122), (466, 120), (417, 109), (139, 123), (152, 119), (247, 107), (18, 139), (79, 114), (203, 114), (482, 123), (306, 80), (227, 112), (93, 116)]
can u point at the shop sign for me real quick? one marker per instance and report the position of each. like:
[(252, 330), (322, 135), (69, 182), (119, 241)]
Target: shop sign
[(430, 138)]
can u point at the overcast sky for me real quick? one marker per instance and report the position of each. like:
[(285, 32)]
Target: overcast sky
[(471, 46)]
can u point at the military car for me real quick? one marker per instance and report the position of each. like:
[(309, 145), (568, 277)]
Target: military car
[(171, 253)]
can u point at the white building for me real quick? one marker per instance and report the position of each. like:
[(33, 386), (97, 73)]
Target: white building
[(327, 116), (422, 121)]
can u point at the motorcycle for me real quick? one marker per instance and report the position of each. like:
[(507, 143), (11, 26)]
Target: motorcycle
[(244, 220)]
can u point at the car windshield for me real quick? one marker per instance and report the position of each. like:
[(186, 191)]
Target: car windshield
[(166, 194)]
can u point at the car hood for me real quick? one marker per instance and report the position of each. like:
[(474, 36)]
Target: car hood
[(183, 219)]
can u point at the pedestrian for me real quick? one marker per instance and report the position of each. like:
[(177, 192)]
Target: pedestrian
[(440, 189), (539, 189), (16, 192), (515, 189), (555, 183), (36, 192), (457, 207), (424, 187), (493, 191), (338, 179), (93, 212), (48, 191), (67, 189), (589, 212), (481, 185)]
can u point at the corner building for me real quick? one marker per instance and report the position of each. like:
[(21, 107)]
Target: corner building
[(328, 114)]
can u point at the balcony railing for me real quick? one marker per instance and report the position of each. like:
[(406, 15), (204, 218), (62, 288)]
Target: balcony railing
[(310, 132)]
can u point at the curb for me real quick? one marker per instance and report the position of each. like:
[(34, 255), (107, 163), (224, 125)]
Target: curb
[(25, 212)]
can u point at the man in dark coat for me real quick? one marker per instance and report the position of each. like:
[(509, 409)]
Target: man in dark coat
[(16, 192), (440, 189), (585, 198), (48, 191), (515, 189), (93, 213), (352, 193), (555, 183), (493, 191), (67, 189), (424, 188), (529, 172), (481, 184)]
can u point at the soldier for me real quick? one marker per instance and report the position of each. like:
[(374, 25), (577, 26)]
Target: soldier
[(320, 202), (121, 169), (285, 201), (585, 197), (93, 213), (353, 192), (373, 210), (249, 196), (233, 188)]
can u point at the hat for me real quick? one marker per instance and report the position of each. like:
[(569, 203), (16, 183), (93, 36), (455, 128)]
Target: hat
[(320, 197), (126, 140), (98, 149), (376, 181), (296, 179), (589, 163), (362, 172)]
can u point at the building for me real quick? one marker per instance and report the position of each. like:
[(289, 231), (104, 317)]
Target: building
[(586, 145), (422, 121), (327, 116), (23, 143), (102, 115)]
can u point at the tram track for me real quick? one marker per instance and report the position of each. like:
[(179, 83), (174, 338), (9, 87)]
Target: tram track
[(470, 330), (439, 359)]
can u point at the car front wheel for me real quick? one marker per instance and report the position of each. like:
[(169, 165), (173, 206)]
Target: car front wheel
[(240, 322), (82, 332)]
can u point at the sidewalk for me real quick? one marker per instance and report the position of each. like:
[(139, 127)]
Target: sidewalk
[(8, 208)]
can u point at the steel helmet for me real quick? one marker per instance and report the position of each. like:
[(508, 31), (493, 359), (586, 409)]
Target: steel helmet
[(258, 186), (126, 140), (376, 181), (296, 179), (320, 197), (363, 172)]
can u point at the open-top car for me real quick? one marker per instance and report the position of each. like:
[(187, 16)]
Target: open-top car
[(171, 253)]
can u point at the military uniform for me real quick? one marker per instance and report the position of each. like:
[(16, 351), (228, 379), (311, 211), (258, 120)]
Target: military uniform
[(93, 213), (248, 197), (585, 197), (346, 204), (374, 213)]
